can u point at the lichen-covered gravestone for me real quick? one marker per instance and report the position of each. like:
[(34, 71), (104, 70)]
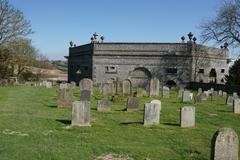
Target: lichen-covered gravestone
[(200, 91), (65, 96), (180, 93), (103, 105), (229, 100), (154, 87), (119, 88), (140, 92), (107, 89), (127, 87), (81, 113), (152, 114), (225, 145), (86, 84), (165, 91), (85, 95), (187, 118), (132, 104), (236, 105), (198, 98), (186, 96)]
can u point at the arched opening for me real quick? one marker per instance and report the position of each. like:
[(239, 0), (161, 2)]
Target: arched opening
[(140, 77), (213, 76), (171, 84)]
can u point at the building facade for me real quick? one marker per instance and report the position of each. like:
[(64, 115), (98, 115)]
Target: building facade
[(171, 63)]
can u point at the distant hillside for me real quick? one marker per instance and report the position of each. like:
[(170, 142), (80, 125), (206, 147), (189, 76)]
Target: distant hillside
[(60, 65)]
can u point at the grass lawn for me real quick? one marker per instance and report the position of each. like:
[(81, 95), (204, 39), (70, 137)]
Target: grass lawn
[(32, 127)]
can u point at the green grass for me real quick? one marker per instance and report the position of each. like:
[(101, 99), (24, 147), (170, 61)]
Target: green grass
[(32, 127)]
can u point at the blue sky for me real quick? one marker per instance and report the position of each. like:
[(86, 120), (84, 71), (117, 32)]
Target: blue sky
[(56, 22)]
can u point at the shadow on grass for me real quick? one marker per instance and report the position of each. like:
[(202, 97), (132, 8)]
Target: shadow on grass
[(221, 110), (171, 124), (124, 109), (67, 122), (129, 123), (52, 106), (94, 109)]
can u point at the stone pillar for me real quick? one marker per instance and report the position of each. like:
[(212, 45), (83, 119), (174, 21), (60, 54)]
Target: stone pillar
[(81, 113), (225, 145), (187, 117)]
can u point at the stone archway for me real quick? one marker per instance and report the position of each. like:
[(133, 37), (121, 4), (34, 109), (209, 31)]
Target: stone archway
[(140, 76), (213, 76)]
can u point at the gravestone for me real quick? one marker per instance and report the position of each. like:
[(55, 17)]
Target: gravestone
[(229, 100), (235, 95), (140, 92), (107, 89), (119, 88), (225, 145), (191, 96), (103, 105), (154, 87), (204, 96), (220, 93), (65, 97), (86, 84), (127, 88), (186, 96), (207, 93), (85, 95), (165, 91), (132, 104), (200, 91), (81, 113), (236, 105), (214, 95), (155, 101), (180, 93), (73, 84), (151, 114), (198, 98), (187, 118), (224, 93), (48, 84)]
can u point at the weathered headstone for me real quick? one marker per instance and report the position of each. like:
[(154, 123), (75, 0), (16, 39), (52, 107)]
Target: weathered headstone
[(165, 91), (220, 93), (107, 89), (180, 93), (229, 100), (119, 88), (140, 92), (224, 93), (73, 84), (204, 96), (154, 87), (103, 105), (65, 97), (191, 96), (86, 84), (236, 105), (225, 145), (235, 95), (207, 93), (155, 101), (214, 95), (85, 95), (187, 117), (186, 96), (200, 91), (151, 114), (127, 87), (132, 104), (198, 98), (81, 113), (48, 84)]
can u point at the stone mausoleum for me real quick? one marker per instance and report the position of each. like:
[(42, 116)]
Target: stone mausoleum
[(171, 63)]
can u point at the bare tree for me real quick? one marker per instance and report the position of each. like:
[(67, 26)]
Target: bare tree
[(225, 27), (12, 23)]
